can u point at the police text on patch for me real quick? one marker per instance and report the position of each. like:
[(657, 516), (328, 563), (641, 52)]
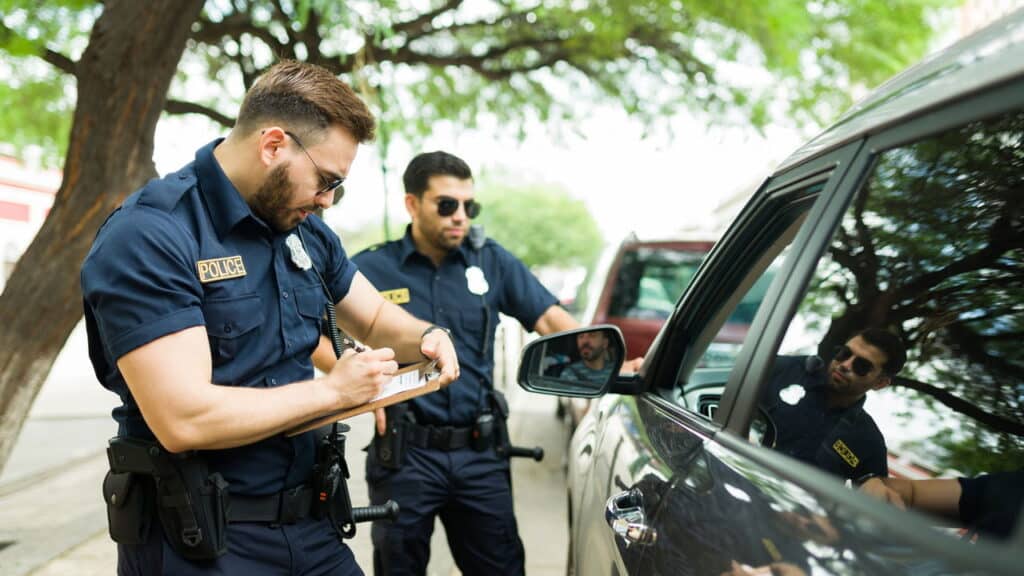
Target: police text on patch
[(216, 269)]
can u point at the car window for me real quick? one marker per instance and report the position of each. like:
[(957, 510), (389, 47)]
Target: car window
[(931, 252), (711, 357), (650, 281)]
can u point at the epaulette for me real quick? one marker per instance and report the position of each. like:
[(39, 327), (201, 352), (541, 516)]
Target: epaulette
[(165, 193)]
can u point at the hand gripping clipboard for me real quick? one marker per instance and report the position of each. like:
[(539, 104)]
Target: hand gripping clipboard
[(409, 382)]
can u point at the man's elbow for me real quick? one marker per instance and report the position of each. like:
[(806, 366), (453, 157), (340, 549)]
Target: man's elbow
[(179, 437)]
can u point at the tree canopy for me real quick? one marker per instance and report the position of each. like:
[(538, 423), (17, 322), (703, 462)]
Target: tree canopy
[(515, 61)]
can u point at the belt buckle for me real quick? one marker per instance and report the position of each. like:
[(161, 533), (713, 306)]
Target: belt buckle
[(441, 436)]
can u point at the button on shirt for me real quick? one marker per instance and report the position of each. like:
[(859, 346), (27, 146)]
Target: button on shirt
[(843, 441), (442, 295), (187, 251)]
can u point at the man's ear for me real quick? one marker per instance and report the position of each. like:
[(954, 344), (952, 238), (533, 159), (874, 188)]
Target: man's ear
[(271, 140), (883, 381), (412, 204)]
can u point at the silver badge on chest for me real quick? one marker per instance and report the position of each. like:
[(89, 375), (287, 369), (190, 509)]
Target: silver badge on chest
[(476, 281), (299, 256)]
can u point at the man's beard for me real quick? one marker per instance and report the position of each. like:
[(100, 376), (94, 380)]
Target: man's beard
[(270, 202)]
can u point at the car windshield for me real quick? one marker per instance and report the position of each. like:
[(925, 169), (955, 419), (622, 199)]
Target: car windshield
[(651, 280)]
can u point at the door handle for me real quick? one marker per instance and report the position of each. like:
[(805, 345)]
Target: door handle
[(625, 515)]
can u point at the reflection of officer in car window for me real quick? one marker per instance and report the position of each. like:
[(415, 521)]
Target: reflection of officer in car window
[(595, 363), (819, 411)]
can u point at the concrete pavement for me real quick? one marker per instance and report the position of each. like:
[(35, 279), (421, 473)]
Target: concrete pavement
[(52, 520)]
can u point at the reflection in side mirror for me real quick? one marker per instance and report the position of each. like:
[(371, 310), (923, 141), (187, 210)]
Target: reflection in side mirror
[(581, 362)]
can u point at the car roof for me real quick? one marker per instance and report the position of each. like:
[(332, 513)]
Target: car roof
[(990, 56)]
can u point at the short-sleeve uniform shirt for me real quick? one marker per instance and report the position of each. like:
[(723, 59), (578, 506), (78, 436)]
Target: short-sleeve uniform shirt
[(187, 251), (464, 294), (843, 441)]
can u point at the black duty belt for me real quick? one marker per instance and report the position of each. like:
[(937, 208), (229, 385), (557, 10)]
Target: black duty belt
[(437, 437), (286, 507)]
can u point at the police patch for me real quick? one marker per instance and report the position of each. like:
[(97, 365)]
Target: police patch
[(396, 296), (845, 453), (216, 269)]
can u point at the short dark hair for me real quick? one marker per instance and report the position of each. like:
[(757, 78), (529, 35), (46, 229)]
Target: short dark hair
[(891, 344), (417, 174), (306, 98)]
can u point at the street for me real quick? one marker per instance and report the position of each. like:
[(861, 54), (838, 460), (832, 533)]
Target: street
[(52, 520)]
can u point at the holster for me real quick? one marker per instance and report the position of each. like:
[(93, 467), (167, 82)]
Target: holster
[(499, 408), (192, 503), (390, 448)]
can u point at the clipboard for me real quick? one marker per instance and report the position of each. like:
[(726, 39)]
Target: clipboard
[(409, 382)]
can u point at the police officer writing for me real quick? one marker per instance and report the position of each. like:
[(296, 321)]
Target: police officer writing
[(440, 454), (818, 410), (203, 296)]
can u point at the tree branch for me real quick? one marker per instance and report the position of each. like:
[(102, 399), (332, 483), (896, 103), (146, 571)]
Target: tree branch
[(180, 107), (55, 59), (961, 406), (422, 22)]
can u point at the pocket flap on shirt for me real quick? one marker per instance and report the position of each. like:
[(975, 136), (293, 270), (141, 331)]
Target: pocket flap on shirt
[(233, 317), (310, 300)]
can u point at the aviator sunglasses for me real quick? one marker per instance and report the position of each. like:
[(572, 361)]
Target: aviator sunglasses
[(328, 184), (446, 206), (861, 366)]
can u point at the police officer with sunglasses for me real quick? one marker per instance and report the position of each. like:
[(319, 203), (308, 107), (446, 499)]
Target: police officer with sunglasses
[(439, 454), (818, 409)]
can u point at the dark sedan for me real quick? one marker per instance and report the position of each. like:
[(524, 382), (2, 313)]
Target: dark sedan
[(872, 420)]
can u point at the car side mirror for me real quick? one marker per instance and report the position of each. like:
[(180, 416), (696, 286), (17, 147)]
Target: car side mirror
[(583, 362)]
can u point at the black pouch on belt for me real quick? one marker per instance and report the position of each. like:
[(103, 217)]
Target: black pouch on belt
[(129, 499), (193, 509), (391, 446)]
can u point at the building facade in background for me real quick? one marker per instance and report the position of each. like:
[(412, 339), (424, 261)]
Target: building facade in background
[(26, 195)]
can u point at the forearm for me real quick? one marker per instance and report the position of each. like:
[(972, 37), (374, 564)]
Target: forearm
[(228, 416), (170, 380), (555, 319)]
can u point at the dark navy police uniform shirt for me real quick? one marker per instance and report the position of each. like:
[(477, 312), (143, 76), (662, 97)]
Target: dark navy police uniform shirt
[(187, 251), (443, 296), (843, 441)]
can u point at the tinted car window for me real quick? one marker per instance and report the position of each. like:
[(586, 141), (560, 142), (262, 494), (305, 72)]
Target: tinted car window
[(709, 361), (650, 281), (931, 249)]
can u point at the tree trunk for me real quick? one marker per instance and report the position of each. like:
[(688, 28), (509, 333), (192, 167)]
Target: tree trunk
[(123, 78)]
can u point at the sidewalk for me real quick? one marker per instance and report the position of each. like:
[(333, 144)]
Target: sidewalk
[(52, 517)]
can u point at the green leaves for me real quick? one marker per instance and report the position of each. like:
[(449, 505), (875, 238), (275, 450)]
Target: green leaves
[(539, 223)]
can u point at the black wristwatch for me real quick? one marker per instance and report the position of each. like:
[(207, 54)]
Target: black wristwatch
[(434, 327)]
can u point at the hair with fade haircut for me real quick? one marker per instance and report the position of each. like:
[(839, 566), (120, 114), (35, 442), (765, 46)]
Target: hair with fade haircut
[(417, 174), (890, 344), (305, 98)]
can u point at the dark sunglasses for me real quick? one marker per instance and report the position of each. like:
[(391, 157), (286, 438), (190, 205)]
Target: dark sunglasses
[(447, 206), (327, 184), (861, 366)]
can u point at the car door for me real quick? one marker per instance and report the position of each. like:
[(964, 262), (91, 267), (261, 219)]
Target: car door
[(631, 454), (920, 231)]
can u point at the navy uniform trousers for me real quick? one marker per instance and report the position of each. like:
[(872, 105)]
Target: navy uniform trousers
[(308, 547), (471, 492)]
